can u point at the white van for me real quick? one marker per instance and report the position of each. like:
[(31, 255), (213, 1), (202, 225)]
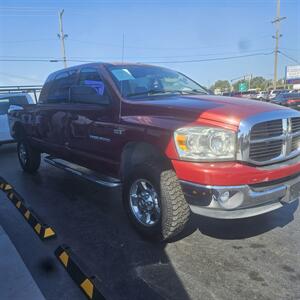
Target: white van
[(10, 102)]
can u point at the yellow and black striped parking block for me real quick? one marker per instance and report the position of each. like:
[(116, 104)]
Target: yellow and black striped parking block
[(42, 230), (4, 186), (88, 284)]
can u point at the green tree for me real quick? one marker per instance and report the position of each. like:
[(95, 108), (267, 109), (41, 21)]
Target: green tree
[(222, 85), (258, 83)]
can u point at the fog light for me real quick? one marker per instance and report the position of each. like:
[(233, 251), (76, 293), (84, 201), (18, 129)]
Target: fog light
[(224, 196), (230, 200)]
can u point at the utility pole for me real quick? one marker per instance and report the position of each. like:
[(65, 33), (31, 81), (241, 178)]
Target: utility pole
[(62, 37), (249, 81), (277, 36)]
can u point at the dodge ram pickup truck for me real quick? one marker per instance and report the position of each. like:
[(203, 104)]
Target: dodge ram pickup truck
[(173, 146)]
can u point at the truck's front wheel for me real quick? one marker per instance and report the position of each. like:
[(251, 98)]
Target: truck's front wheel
[(29, 158), (155, 202)]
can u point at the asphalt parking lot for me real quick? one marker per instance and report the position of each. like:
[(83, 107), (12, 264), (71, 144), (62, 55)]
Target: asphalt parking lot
[(256, 258)]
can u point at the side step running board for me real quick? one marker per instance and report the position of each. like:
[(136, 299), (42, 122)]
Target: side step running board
[(83, 172)]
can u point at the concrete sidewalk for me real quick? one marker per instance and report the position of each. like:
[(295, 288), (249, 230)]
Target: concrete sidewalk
[(16, 281)]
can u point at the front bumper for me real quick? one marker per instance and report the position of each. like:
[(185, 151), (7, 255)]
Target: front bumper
[(242, 201)]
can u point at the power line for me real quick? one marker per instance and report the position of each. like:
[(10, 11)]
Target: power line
[(156, 48), (157, 62), (287, 56), (26, 15), (23, 8), (135, 57), (27, 41), (31, 57), (44, 60), (157, 1), (133, 46), (290, 49), (209, 59)]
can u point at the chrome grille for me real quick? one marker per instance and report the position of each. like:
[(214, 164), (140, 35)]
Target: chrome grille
[(266, 130), (295, 124), (265, 150), (295, 143), (276, 139)]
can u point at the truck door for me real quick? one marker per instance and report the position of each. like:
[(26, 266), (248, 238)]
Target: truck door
[(91, 115), (51, 114)]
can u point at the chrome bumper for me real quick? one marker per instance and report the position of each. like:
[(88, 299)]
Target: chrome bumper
[(234, 202)]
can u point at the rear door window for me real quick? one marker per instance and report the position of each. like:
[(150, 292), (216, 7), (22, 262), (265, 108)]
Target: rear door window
[(60, 88), (18, 100)]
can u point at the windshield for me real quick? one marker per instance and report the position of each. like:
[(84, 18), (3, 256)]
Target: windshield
[(134, 81)]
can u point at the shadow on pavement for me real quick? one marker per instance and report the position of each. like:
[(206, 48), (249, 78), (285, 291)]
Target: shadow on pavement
[(241, 228), (92, 222)]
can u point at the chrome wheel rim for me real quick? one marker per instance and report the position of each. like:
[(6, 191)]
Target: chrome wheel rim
[(23, 154), (144, 203)]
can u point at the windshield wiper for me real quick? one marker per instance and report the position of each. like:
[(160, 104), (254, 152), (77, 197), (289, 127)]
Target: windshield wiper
[(194, 92), (157, 92), (152, 92)]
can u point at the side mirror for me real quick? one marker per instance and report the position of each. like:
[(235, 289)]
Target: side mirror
[(14, 107)]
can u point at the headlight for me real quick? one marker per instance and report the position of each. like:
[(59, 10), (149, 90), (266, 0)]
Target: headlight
[(205, 143)]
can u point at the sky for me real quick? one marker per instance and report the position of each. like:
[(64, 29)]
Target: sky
[(196, 37)]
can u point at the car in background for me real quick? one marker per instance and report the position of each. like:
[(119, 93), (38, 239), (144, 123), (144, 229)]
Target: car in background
[(250, 94), (9, 102), (291, 100), (262, 96), (274, 93)]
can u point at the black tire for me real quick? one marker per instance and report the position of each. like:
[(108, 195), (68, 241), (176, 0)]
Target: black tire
[(175, 211), (33, 157)]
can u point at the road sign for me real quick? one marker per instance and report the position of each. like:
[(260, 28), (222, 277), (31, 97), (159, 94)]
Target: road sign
[(292, 74), (243, 86)]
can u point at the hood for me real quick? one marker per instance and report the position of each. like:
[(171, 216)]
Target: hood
[(198, 108)]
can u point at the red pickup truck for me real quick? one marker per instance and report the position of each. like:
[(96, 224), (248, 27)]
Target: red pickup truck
[(172, 146)]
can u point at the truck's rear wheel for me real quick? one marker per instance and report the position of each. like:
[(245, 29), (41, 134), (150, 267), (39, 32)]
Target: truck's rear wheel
[(155, 202), (29, 158)]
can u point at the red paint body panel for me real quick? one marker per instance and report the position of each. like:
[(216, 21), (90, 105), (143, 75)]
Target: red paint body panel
[(198, 109), (229, 173)]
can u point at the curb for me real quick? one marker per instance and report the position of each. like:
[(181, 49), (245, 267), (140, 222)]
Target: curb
[(88, 284), (42, 230)]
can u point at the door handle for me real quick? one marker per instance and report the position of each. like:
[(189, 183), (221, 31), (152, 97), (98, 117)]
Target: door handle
[(119, 131)]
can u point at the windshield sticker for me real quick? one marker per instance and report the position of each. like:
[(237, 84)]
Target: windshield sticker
[(97, 85), (122, 74)]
